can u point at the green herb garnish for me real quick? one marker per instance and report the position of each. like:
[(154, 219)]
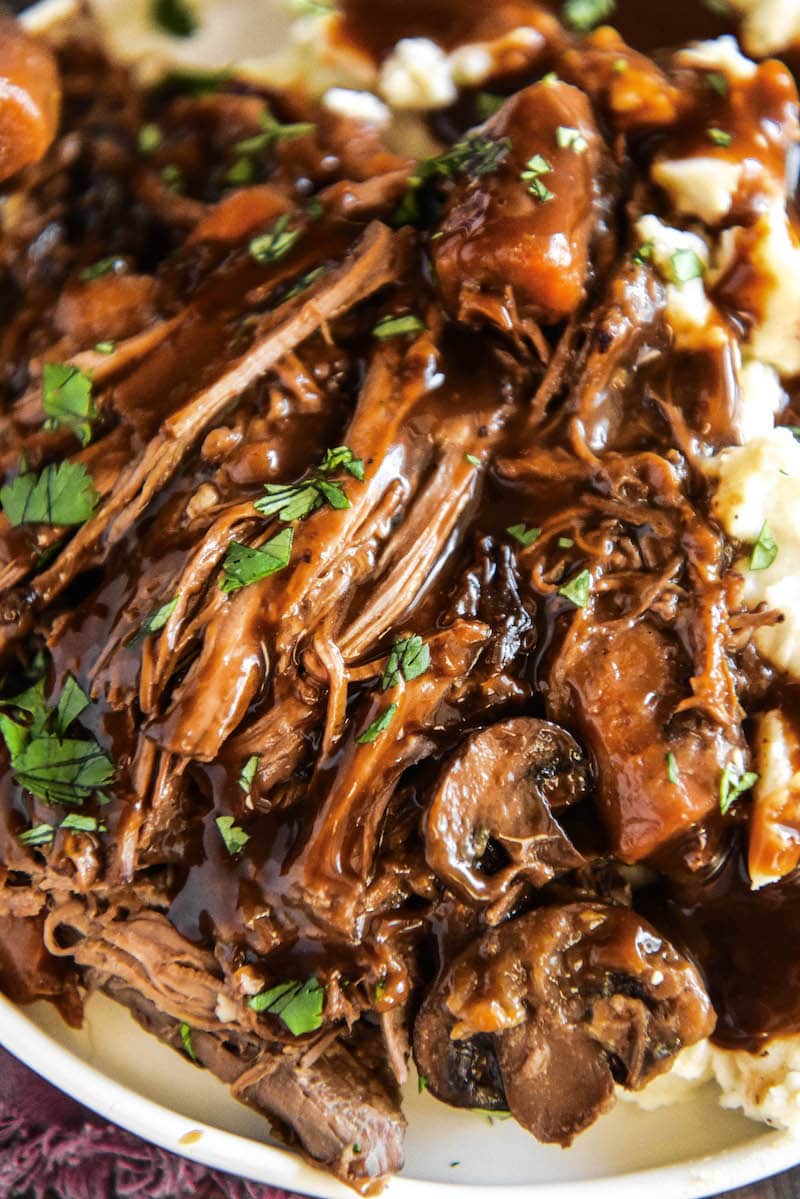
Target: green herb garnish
[(684, 265), (765, 550), (186, 1039), (422, 1083), (644, 254), (241, 173), (718, 82), (523, 534), (73, 701), (571, 139), (67, 400), (378, 726), (672, 768), (487, 104), (234, 837), (719, 136), (156, 620), (149, 139), (248, 773), (272, 131), (105, 266), (40, 834), (473, 460), (393, 326), (244, 565), (174, 16), (535, 167), (296, 501), (730, 788), (585, 15), (409, 658), (58, 495), (105, 347), (172, 176), (475, 156), (77, 823), (298, 1005), (276, 243), (577, 590), (565, 543)]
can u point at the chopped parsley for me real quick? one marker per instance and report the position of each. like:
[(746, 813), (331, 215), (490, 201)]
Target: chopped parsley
[(571, 139), (487, 104), (535, 167), (241, 173), (67, 400), (233, 836), (730, 787), (523, 534), (673, 774), (379, 725), (409, 658), (174, 16), (194, 81), (248, 773), (304, 282), (51, 766), (276, 243), (719, 136), (296, 501), (244, 565), (149, 139), (422, 1083), (393, 326), (58, 495), (77, 823), (172, 176), (40, 834), (298, 1005), (577, 590), (186, 1039), (156, 620), (473, 460), (105, 347), (718, 82), (684, 265), (475, 156), (272, 131), (105, 266), (565, 543), (644, 254), (584, 15), (765, 550)]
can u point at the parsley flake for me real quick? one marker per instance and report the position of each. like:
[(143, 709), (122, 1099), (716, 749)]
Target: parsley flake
[(584, 15), (673, 774), (473, 460), (156, 621), (304, 282), (535, 167), (565, 543), (186, 1040), (241, 173), (58, 495), (276, 243), (174, 16), (378, 726), (718, 82), (105, 266), (765, 550), (77, 823), (149, 139), (172, 176), (684, 265), (393, 326), (272, 131), (244, 565), (73, 701), (298, 1005), (40, 834), (523, 534), (233, 836), (719, 136), (67, 400), (296, 501), (644, 254), (487, 104), (248, 773), (475, 156), (409, 658), (571, 139), (422, 1083), (730, 788), (105, 347), (577, 590)]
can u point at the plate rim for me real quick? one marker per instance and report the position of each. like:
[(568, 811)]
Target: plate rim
[(693, 1178)]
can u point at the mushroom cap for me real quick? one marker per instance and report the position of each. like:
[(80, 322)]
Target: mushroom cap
[(498, 792)]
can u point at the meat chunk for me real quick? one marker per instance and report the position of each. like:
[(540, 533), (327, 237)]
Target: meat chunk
[(632, 90), (573, 1000), (30, 98), (621, 688), (524, 231), (494, 801)]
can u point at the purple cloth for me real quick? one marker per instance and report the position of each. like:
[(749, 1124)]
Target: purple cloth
[(51, 1146)]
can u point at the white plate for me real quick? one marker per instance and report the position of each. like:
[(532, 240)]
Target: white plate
[(112, 1066)]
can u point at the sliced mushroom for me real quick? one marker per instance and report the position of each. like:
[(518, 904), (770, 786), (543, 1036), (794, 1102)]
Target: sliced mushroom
[(490, 821), (463, 1073), (567, 1001)]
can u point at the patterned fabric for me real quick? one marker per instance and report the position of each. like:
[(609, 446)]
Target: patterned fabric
[(52, 1148)]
